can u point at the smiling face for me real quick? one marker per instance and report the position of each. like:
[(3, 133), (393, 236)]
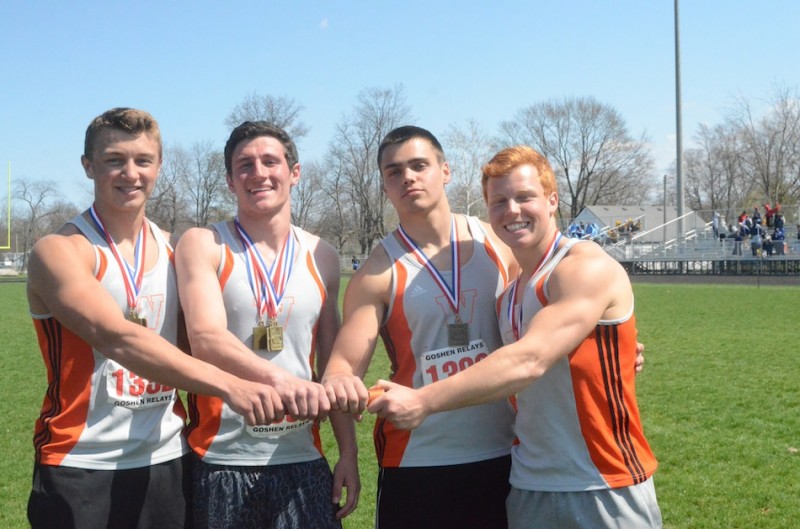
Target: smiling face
[(260, 176), (124, 168), (414, 176), (521, 212)]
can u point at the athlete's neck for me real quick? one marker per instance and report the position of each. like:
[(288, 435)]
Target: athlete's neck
[(530, 257), (268, 231), (123, 225), (431, 230)]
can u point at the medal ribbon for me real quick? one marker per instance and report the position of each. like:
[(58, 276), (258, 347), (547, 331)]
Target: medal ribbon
[(516, 323), (267, 285), (131, 277), (452, 294)]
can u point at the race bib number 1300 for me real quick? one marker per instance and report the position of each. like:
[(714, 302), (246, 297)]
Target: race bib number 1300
[(129, 390), (448, 361)]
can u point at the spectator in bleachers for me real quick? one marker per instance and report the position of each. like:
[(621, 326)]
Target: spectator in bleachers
[(756, 241), (766, 245)]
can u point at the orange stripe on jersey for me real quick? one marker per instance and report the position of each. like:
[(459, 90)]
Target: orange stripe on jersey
[(210, 410), (102, 264), (390, 443), (65, 407), (312, 268), (604, 387), (493, 255), (227, 268)]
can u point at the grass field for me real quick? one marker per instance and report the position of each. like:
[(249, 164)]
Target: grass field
[(719, 397)]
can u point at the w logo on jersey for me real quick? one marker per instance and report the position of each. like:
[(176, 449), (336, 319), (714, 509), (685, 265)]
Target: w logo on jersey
[(466, 305)]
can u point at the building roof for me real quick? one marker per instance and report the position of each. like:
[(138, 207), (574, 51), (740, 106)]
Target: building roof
[(648, 218)]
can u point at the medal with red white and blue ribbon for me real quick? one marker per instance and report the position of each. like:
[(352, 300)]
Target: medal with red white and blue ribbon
[(268, 286), (458, 332), (516, 323), (131, 277)]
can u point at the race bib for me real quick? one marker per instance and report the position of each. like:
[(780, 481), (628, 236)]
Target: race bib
[(279, 429), (448, 361), (129, 390)]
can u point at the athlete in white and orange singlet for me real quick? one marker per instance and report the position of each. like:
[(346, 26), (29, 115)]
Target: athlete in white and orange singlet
[(582, 460), (102, 296), (429, 290)]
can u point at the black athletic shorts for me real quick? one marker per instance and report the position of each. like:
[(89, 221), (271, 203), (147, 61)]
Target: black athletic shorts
[(152, 497), (471, 495)]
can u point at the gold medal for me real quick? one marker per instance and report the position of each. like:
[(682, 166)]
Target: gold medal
[(134, 317), (259, 337), (274, 336), (457, 334)]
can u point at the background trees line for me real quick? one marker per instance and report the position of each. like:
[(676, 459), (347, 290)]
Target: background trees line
[(745, 161)]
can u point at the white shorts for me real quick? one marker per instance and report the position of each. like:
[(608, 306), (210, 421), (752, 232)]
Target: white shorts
[(633, 507)]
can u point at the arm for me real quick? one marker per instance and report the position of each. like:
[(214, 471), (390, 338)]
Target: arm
[(197, 258), (365, 303), (586, 286), (61, 282), (345, 472)]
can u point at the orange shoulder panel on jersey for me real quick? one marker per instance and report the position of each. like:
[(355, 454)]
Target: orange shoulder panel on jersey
[(102, 264), (227, 267), (494, 256), (313, 271), (604, 386), (67, 358)]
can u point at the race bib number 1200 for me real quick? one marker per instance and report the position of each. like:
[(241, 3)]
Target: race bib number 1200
[(448, 361)]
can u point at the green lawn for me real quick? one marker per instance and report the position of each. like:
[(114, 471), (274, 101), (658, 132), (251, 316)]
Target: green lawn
[(718, 395)]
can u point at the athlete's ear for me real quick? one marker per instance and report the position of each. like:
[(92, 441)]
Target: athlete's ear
[(446, 172)]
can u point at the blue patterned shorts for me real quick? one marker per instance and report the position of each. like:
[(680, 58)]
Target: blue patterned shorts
[(291, 496)]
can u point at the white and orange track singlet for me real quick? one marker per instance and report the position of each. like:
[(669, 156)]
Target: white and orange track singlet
[(578, 425), (218, 434), (415, 333), (97, 414)]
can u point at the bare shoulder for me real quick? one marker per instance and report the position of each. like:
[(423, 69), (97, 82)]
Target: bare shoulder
[(56, 260), (588, 271)]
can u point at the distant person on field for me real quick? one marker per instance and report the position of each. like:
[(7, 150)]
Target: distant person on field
[(102, 294), (261, 301), (582, 460)]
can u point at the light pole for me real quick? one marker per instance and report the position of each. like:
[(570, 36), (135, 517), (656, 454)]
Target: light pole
[(678, 128)]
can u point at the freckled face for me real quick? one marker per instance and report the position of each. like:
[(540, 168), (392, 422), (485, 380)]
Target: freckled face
[(519, 210)]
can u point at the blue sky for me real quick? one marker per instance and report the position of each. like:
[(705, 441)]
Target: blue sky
[(190, 63)]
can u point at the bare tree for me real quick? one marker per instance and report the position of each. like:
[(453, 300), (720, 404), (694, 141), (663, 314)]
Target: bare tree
[(715, 178), (278, 110), (593, 156), (308, 197), (353, 155), (35, 198), (772, 145), (168, 203), (205, 184), (468, 148), (338, 219)]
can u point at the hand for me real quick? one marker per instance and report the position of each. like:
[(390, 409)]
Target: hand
[(257, 403), (400, 405), (302, 399), (639, 357), (347, 393), (345, 476)]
